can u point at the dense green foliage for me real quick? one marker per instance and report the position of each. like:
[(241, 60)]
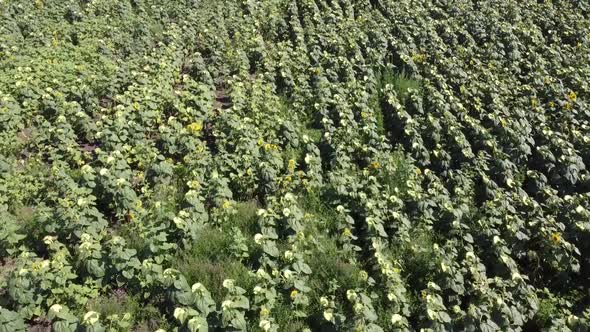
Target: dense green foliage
[(291, 165)]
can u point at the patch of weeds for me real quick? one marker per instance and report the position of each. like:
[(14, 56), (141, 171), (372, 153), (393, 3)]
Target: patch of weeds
[(245, 218), (375, 105), (168, 193), (333, 274), (417, 260), (240, 230), (314, 134), (283, 105), (398, 173), (325, 215), (31, 222), (553, 305), (132, 239), (149, 319), (119, 303), (25, 214), (296, 154), (209, 261), (331, 269), (401, 82), (547, 310), (212, 274), (211, 244), (7, 265), (283, 313)]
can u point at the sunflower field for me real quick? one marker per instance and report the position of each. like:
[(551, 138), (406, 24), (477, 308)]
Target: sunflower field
[(294, 165)]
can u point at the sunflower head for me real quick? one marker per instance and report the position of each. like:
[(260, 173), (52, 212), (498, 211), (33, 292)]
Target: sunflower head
[(556, 238), (375, 165), (195, 127), (572, 96)]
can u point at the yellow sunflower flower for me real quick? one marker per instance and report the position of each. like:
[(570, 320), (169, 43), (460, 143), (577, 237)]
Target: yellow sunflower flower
[(375, 165), (195, 127), (556, 238), (572, 96)]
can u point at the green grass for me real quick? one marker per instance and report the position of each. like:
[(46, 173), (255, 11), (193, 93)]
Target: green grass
[(212, 274), (209, 261), (325, 259), (325, 215), (329, 265), (314, 134), (417, 260), (417, 256), (374, 103), (333, 272), (146, 316), (283, 313), (245, 218), (114, 304), (553, 305), (402, 169), (547, 310), (401, 82), (132, 238)]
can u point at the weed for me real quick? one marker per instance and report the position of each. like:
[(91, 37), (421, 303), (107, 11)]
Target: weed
[(401, 82), (209, 262), (245, 218)]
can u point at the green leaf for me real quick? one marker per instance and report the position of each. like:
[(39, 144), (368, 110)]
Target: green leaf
[(197, 324)]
